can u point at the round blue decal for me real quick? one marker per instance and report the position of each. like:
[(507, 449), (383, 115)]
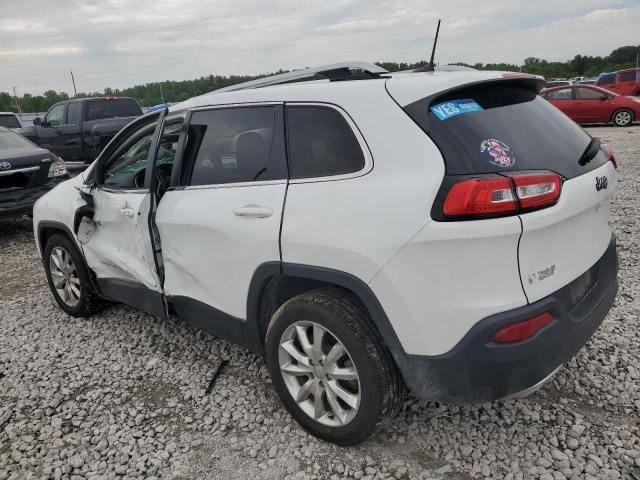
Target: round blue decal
[(498, 153)]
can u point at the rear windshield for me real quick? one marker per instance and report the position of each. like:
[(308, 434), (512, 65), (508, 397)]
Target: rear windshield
[(606, 79), (110, 108), (499, 127), (11, 140), (9, 121)]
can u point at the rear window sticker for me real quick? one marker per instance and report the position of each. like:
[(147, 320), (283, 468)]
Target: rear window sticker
[(455, 107), (498, 153)]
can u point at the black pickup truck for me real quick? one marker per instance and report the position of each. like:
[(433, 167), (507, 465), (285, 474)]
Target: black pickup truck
[(77, 130)]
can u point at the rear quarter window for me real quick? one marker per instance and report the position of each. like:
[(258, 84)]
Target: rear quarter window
[(321, 143), (561, 94)]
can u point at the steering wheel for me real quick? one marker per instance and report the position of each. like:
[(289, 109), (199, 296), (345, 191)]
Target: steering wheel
[(138, 179), (162, 179)]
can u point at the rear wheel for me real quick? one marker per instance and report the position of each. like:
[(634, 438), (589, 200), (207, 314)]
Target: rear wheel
[(622, 117), (330, 368), (68, 277)]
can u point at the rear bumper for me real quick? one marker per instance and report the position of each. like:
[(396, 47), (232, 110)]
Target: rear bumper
[(478, 370), (20, 201)]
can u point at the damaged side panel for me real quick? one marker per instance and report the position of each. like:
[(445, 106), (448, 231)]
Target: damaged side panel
[(115, 238)]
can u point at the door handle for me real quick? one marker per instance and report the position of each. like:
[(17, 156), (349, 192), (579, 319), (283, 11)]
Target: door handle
[(254, 211), (58, 131), (127, 212)]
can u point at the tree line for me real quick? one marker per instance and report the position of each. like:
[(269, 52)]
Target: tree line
[(176, 91)]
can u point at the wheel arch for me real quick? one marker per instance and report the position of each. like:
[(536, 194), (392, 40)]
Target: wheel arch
[(618, 110), (274, 283), (46, 229)]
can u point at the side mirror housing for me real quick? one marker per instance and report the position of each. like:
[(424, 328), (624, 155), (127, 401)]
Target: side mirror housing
[(37, 121)]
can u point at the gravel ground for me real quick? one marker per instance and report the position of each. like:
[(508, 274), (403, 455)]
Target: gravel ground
[(124, 394)]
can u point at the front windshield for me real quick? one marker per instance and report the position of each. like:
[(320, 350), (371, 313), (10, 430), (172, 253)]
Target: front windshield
[(11, 140)]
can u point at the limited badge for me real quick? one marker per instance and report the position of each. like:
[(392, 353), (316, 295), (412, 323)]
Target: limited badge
[(498, 153)]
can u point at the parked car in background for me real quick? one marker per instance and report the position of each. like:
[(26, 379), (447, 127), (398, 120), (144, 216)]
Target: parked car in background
[(591, 104), (78, 129), (257, 212), (556, 83), (9, 120), (587, 81), (26, 173), (622, 82)]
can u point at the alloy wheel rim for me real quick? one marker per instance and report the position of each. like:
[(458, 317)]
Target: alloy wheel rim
[(64, 276), (319, 373), (623, 118)]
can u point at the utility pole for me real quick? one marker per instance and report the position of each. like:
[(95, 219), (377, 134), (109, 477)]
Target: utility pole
[(161, 93), (75, 92), (15, 96)]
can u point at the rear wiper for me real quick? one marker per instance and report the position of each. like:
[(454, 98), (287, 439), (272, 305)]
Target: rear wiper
[(592, 150)]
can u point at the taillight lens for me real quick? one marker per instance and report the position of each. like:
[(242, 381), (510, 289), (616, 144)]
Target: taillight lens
[(537, 190), (481, 196), (502, 195), (608, 151), (517, 332)]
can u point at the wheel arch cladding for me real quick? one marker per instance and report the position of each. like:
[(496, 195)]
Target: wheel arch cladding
[(46, 229), (274, 283)]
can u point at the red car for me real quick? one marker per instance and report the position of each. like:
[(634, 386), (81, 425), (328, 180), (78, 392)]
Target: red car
[(623, 82), (591, 104)]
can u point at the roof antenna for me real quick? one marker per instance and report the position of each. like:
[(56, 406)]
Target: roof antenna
[(430, 67)]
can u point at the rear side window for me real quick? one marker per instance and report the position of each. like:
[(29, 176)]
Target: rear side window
[(589, 94), (629, 76), (9, 121), (232, 145), (606, 79), (74, 112), (110, 108), (511, 129), (321, 143), (561, 94)]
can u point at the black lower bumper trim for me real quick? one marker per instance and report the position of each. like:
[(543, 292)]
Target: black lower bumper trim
[(478, 370), (17, 202)]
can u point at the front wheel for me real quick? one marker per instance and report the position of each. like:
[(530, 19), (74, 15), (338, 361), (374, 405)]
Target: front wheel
[(68, 277), (329, 367), (622, 117)]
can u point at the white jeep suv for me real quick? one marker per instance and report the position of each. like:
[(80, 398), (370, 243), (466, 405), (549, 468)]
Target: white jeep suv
[(444, 233)]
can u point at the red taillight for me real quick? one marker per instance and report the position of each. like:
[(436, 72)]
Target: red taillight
[(608, 151), (502, 195), (537, 190), (480, 196), (516, 332)]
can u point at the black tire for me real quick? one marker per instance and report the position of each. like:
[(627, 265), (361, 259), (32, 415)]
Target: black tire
[(343, 316), (89, 301), (622, 118)]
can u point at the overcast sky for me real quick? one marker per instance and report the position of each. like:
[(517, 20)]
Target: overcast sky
[(119, 43)]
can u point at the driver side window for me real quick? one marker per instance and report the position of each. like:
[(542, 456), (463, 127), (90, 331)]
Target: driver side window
[(55, 116), (126, 167)]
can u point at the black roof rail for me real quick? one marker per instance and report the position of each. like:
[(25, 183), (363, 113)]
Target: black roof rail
[(333, 72)]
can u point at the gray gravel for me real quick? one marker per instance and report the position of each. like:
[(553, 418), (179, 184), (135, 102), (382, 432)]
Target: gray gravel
[(123, 394)]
